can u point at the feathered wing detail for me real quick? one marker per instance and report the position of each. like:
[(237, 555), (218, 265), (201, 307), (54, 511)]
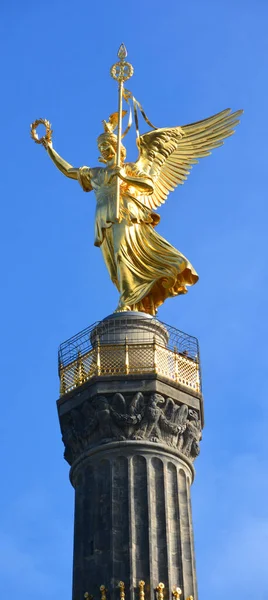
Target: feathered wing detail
[(119, 404), (170, 409), (167, 155), (176, 414), (136, 408), (181, 416)]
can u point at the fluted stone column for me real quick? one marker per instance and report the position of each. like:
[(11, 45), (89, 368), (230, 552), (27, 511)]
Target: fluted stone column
[(131, 441)]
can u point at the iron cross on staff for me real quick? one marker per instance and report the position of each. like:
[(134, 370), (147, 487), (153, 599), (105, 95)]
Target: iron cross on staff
[(120, 71)]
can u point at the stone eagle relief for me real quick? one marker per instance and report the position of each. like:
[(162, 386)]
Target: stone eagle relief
[(154, 419)]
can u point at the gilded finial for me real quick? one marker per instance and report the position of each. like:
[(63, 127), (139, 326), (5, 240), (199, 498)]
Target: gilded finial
[(103, 592), (122, 52), (190, 598), (88, 596), (176, 593), (141, 590), (160, 591), (122, 70), (122, 590)]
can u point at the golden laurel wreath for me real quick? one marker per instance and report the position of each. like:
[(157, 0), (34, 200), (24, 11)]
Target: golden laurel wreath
[(45, 139), (121, 71)]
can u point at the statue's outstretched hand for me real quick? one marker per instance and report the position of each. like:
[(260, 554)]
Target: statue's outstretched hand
[(45, 140), (45, 143)]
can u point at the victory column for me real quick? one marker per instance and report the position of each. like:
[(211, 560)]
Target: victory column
[(130, 406)]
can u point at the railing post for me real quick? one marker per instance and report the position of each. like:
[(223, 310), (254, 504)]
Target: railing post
[(126, 357), (98, 356), (76, 372), (176, 359), (197, 375), (80, 375), (62, 381), (155, 354)]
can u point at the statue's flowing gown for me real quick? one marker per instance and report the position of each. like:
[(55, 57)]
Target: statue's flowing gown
[(145, 268)]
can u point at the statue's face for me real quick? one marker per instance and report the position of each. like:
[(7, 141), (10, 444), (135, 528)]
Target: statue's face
[(107, 150)]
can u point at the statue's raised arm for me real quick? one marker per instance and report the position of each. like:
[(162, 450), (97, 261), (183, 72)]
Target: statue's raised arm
[(62, 164)]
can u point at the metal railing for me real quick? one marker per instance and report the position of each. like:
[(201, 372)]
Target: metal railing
[(87, 355)]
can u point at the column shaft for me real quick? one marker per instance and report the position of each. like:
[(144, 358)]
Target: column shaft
[(132, 521)]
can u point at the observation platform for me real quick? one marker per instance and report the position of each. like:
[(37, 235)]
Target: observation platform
[(131, 343)]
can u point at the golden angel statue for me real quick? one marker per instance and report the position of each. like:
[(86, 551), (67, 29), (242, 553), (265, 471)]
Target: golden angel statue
[(145, 268)]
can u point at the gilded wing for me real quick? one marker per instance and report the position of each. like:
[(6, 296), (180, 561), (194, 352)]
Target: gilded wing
[(167, 155)]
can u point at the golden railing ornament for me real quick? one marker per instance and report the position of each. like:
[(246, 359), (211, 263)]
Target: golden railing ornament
[(45, 139), (122, 590), (160, 591), (141, 590), (103, 592), (176, 593)]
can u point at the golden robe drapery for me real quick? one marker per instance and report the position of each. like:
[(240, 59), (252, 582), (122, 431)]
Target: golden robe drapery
[(145, 268)]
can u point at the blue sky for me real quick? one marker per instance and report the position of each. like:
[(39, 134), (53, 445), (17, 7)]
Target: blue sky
[(191, 60)]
